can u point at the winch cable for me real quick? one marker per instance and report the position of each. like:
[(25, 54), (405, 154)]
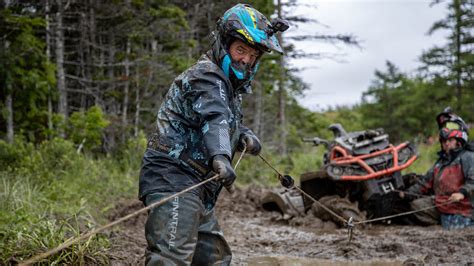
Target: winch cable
[(282, 179), (411, 194), (350, 223), (73, 241), (407, 212), (404, 213)]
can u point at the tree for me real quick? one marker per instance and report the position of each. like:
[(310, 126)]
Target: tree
[(59, 52), (402, 105), (454, 61), (25, 72), (121, 56), (284, 10)]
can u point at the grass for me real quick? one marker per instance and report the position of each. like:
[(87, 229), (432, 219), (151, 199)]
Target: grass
[(50, 194)]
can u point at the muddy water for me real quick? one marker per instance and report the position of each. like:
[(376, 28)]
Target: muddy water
[(263, 238), (258, 237)]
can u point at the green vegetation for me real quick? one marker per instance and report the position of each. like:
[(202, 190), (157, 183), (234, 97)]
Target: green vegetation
[(51, 193), (252, 170), (86, 128), (428, 154)]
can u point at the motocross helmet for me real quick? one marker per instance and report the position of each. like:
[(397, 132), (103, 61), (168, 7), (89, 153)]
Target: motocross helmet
[(451, 126), (245, 23)]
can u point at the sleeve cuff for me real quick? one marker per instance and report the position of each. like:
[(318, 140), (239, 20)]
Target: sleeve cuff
[(464, 192), (211, 156)]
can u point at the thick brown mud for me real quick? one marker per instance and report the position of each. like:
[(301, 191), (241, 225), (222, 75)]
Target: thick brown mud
[(258, 237)]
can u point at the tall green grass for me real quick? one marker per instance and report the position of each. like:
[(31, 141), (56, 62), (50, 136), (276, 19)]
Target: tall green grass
[(50, 193)]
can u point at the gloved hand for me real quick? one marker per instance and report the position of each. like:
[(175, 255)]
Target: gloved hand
[(223, 168), (252, 142), (456, 197)]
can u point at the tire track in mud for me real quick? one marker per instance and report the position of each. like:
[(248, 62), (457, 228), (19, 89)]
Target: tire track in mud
[(263, 238)]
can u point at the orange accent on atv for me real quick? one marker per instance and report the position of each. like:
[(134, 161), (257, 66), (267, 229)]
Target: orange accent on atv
[(340, 158), (362, 167)]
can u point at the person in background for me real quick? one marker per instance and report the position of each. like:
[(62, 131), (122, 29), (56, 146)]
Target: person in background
[(451, 179), (199, 128)]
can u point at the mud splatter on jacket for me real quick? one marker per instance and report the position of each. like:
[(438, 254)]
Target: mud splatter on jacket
[(453, 172), (200, 117)]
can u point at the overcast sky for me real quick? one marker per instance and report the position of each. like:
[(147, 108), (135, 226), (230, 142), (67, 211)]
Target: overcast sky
[(393, 30)]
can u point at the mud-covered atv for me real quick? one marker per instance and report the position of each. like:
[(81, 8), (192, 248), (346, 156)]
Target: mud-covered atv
[(360, 175)]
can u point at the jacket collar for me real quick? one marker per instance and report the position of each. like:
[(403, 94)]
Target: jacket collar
[(449, 156)]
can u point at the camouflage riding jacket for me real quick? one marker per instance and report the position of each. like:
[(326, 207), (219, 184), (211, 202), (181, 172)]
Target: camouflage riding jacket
[(200, 117), (453, 172)]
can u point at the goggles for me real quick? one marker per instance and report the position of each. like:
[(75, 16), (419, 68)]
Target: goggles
[(452, 126)]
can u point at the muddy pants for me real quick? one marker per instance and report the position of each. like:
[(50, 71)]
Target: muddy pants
[(183, 232), (426, 217), (433, 216)]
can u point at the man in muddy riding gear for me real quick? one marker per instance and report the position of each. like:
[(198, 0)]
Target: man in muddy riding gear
[(199, 128), (451, 179)]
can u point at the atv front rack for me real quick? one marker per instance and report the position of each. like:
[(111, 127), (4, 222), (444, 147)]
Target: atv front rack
[(344, 166)]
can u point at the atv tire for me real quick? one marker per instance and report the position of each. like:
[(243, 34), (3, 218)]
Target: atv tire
[(341, 206), (317, 185)]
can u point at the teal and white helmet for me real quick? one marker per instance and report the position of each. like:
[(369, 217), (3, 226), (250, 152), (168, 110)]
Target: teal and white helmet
[(250, 26)]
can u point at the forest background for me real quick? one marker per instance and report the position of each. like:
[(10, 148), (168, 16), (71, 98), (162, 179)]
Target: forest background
[(81, 82)]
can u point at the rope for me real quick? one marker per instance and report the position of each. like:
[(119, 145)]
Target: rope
[(280, 176), (323, 206), (350, 223), (68, 243), (271, 166), (404, 213), (412, 194)]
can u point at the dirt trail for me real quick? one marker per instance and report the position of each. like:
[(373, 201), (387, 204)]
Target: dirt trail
[(258, 237)]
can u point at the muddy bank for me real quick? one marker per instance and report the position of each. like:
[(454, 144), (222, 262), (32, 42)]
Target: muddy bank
[(258, 237)]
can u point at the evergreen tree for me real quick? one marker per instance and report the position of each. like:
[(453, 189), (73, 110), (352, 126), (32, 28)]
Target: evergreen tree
[(25, 73), (454, 61)]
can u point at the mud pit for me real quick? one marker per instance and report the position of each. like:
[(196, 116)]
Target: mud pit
[(258, 237)]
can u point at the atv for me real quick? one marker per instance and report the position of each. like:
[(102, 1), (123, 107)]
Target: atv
[(359, 178)]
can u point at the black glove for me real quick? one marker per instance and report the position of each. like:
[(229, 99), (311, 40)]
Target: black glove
[(252, 142), (223, 168)]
